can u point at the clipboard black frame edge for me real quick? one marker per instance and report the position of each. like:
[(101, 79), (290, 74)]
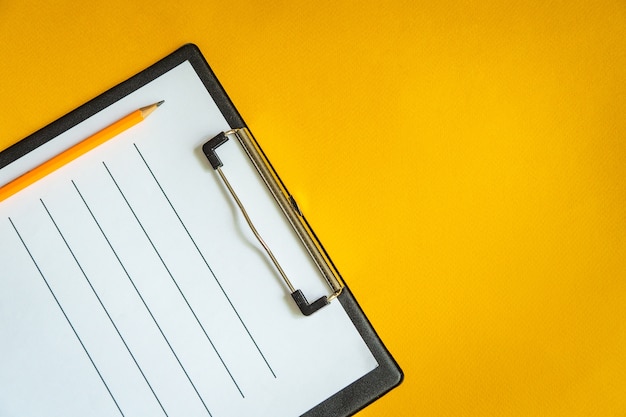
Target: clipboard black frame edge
[(83, 112), (372, 386), (352, 398), (388, 374)]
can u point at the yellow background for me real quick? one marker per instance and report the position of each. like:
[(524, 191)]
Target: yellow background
[(464, 163)]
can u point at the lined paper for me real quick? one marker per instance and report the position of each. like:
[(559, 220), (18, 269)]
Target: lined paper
[(130, 285)]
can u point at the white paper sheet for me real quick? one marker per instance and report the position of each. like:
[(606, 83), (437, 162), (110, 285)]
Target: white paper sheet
[(130, 284)]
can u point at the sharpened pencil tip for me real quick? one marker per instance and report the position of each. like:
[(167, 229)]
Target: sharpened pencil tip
[(145, 111)]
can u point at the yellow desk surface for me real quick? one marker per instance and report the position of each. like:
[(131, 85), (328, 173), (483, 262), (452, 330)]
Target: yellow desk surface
[(463, 162)]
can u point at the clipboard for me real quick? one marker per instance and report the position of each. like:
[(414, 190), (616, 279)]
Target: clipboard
[(228, 144)]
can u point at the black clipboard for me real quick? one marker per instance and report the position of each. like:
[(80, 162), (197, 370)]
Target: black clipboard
[(343, 403)]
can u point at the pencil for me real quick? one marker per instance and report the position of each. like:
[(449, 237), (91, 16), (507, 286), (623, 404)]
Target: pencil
[(76, 151)]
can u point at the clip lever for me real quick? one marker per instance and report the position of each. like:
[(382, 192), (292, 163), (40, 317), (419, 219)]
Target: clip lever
[(298, 296)]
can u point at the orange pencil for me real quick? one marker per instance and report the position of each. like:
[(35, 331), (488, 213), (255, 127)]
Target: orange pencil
[(75, 151)]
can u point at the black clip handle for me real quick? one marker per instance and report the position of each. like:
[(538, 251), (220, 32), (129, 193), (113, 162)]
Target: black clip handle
[(306, 308), (209, 149)]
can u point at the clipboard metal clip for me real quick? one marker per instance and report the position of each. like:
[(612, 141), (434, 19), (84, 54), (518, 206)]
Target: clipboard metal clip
[(289, 208)]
